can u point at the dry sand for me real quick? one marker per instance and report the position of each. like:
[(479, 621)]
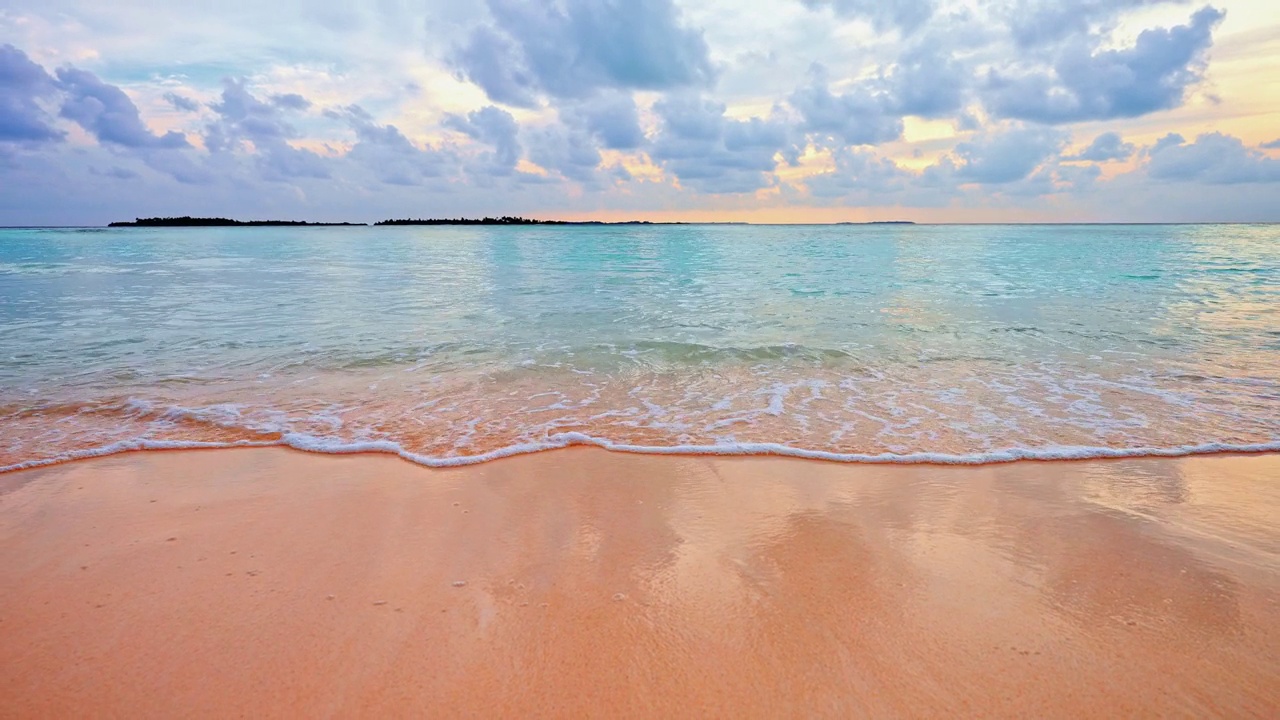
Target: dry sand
[(270, 583)]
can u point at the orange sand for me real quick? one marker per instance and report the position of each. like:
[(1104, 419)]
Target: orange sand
[(269, 583)]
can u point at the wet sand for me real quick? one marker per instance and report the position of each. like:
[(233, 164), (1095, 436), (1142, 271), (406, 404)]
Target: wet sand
[(271, 583)]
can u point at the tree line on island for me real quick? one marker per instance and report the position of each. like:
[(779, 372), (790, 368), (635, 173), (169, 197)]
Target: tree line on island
[(507, 220), (188, 221)]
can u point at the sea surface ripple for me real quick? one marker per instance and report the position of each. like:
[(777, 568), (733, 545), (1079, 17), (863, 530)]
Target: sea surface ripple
[(451, 345)]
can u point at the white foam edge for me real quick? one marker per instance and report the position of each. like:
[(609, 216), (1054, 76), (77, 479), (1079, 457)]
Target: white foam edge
[(311, 443)]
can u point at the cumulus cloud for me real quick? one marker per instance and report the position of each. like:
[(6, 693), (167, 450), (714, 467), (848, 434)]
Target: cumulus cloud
[(612, 118), (494, 127), (1104, 148), (1214, 159), (570, 152), (1036, 22), (1006, 156), (1086, 83), (180, 102), (927, 81), (22, 83), (179, 166), (671, 81), (905, 15), (714, 154), (860, 173), (106, 112), (243, 117), (573, 48), (571, 147), (290, 101), (861, 116), (1077, 178), (1018, 162), (385, 152)]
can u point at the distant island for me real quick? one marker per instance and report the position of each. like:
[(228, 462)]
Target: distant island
[(187, 221), (507, 220)]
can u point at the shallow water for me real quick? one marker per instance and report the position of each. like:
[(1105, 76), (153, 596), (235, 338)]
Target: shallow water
[(945, 343)]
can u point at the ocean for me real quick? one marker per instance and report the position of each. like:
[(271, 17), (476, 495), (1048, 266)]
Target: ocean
[(452, 345)]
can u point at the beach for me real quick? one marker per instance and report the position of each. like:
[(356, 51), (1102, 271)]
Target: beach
[(684, 358), (580, 582)]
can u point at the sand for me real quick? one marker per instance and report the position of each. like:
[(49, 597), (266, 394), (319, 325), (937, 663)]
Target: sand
[(272, 583)]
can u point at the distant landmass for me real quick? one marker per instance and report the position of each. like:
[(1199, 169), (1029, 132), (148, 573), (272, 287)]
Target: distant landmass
[(507, 220), (187, 221)]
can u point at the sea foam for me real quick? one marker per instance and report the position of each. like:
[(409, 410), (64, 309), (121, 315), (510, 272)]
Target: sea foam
[(328, 446), (450, 346)]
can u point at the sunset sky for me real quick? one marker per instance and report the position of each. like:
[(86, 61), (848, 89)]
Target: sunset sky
[(768, 111)]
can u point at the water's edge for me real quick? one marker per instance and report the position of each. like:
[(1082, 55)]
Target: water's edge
[(312, 444), (455, 346)]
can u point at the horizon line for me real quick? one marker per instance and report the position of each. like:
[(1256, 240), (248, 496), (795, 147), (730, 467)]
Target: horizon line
[(562, 223)]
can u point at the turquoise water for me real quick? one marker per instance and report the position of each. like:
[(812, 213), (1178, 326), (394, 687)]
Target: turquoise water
[(446, 344)]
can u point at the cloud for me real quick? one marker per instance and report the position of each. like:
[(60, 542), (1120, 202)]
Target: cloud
[(179, 102), (1077, 178), (1008, 156), (333, 120), (1038, 22), (573, 48), (1090, 84), (290, 101), (860, 173), (1104, 148), (1021, 161), (928, 82), (1170, 140), (1213, 159), (572, 153), (905, 15), (116, 172), (179, 166), (715, 154), (385, 152), (243, 117), (22, 82), (610, 117), (106, 112), (494, 127), (490, 59), (284, 162), (862, 116)]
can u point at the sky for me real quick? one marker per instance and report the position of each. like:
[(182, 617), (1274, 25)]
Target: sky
[(697, 110)]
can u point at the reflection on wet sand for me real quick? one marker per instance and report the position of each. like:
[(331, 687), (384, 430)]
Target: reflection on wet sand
[(581, 582)]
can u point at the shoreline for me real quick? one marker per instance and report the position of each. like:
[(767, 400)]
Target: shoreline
[(315, 446), (272, 582)]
